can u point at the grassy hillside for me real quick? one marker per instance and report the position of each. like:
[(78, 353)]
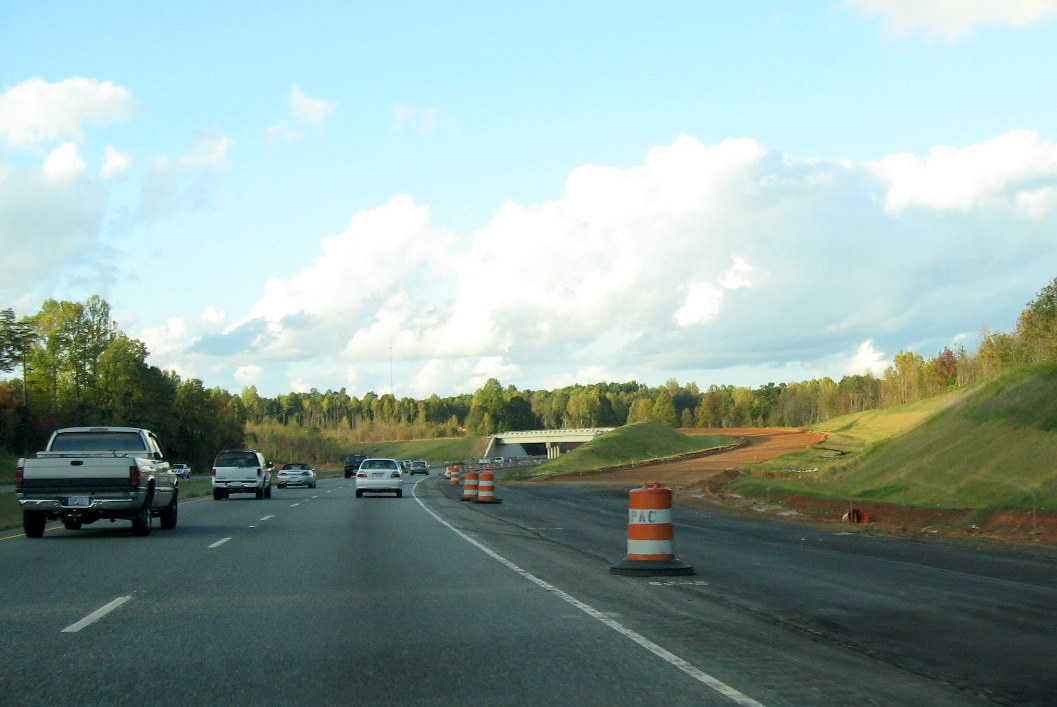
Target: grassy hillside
[(628, 445), (432, 450), (994, 446)]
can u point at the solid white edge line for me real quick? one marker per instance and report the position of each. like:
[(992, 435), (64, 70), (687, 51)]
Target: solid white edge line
[(665, 655), (218, 543), (95, 615)]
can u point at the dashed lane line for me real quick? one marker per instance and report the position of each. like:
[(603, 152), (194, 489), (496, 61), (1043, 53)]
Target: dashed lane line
[(95, 615)]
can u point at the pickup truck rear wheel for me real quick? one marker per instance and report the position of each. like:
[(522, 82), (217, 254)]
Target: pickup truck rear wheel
[(141, 521), (33, 523), (169, 513)]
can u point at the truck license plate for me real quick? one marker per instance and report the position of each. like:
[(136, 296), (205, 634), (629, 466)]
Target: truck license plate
[(78, 501)]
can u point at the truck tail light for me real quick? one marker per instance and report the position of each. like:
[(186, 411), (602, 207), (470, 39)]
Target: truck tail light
[(18, 480), (214, 472), (134, 475), (259, 470)]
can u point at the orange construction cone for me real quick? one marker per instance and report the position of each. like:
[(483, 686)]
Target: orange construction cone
[(486, 488), (651, 534)]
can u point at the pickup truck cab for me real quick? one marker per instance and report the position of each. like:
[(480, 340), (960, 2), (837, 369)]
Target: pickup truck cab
[(85, 474), (241, 471)]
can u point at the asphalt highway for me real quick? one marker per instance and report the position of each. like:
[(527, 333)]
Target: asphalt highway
[(317, 597)]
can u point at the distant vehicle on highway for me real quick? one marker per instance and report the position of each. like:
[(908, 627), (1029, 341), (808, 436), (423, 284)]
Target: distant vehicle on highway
[(241, 471), (352, 463), (296, 475), (419, 466), (380, 475), (181, 470)]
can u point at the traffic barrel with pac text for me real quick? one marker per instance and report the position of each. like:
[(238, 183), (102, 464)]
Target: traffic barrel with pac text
[(651, 534), (469, 486), (486, 488)]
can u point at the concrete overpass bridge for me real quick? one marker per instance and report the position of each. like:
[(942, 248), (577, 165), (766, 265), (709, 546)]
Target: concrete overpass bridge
[(556, 442)]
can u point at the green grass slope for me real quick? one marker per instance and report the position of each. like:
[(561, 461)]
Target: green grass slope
[(628, 445), (432, 450), (992, 447)]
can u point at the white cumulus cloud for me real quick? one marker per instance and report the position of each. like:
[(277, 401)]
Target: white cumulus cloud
[(310, 111), (701, 263), (116, 164), (64, 162), (966, 178), (35, 111), (955, 19)]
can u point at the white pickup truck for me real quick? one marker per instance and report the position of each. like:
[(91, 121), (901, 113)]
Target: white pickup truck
[(86, 474)]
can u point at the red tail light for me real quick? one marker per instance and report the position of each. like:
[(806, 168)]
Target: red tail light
[(134, 475), (361, 474), (396, 475), (258, 471), (214, 471), (18, 480)]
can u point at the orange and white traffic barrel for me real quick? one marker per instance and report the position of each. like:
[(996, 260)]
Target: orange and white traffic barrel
[(651, 534), (469, 487), (856, 516), (453, 474), (486, 488)]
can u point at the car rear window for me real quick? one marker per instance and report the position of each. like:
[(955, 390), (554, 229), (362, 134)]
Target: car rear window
[(97, 442), (236, 459), (379, 464)]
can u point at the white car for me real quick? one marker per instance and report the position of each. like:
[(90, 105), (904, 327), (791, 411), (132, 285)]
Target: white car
[(181, 470), (296, 475), (380, 476)]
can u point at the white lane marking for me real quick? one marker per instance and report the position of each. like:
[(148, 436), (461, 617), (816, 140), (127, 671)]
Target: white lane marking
[(268, 517), (294, 505), (95, 615), (665, 655), (218, 543)]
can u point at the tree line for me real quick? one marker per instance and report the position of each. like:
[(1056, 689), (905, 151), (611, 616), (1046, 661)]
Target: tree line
[(77, 367)]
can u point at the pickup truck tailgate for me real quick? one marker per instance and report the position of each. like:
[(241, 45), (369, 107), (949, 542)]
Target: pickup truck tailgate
[(83, 475)]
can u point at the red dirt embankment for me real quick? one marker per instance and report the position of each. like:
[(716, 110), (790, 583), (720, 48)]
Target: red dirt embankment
[(698, 480), (758, 444)]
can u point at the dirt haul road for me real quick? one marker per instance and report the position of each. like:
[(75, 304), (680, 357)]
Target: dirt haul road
[(687, 477)]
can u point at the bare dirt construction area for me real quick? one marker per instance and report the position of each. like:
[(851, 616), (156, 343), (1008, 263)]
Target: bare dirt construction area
[(688, 475), (700, 480)]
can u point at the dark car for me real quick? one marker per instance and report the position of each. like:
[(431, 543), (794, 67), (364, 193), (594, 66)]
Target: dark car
[(352, 463)]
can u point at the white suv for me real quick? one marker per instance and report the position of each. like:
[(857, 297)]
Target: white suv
[(241, 471), (380, 475)]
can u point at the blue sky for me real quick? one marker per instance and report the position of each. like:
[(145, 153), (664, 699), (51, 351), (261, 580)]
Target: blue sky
[(544, 193)]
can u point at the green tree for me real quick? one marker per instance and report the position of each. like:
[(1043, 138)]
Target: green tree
[(664, 410)]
